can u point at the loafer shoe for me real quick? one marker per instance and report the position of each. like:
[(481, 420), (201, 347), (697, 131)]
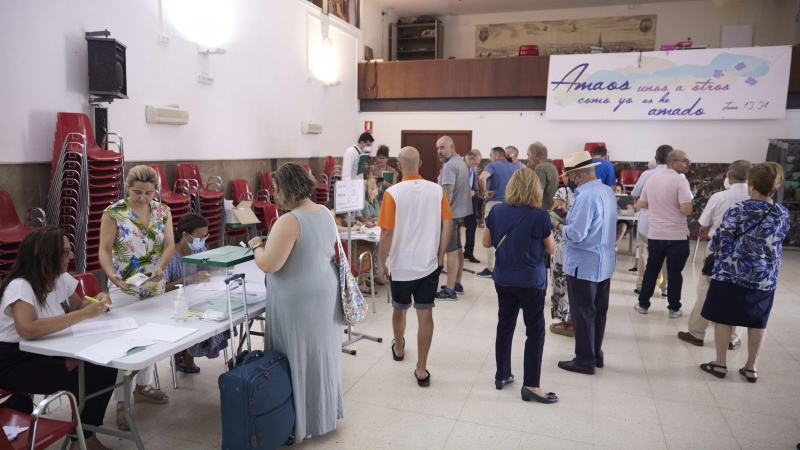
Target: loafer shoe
[(571, 366), (498, 384), (687, 337), (472, 259)]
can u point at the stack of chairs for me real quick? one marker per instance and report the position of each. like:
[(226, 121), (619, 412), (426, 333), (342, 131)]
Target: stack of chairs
[(207, 200), (590, 146), (323, 191), (85, 179), (265, 210), (240, 193), (179, 200), (12, 231), (267, 191)]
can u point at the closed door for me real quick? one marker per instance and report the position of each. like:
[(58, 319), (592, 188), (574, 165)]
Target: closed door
[(425, 142)]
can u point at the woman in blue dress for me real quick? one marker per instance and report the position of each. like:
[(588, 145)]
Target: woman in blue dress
[(747, 256)]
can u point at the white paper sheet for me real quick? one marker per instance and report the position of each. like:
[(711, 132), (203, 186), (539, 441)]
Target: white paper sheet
[(13, 431), (166, 333), (105, 326), (105, 351)]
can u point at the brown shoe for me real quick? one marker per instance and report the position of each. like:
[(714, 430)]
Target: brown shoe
[(735, 344), (562, 328), (687, 337)]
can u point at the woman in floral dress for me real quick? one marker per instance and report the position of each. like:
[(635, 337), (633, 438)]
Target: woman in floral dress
[(560, 303), (136, 237)]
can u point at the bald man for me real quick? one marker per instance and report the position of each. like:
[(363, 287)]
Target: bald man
[(454, 179), (668, 197), (416, 223)]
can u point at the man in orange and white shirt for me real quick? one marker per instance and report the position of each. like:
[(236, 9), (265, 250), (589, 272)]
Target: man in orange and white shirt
[(416, 223)]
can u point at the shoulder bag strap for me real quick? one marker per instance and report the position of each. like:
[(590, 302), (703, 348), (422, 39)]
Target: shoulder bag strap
[(756, 225), (502, 239)]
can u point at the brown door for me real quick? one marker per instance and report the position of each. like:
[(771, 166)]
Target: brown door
[(425, 142)]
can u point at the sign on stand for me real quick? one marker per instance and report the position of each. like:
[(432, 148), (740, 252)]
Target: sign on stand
[(349, 196)]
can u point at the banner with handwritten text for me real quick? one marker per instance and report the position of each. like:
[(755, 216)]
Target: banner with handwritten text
[(734, 83)]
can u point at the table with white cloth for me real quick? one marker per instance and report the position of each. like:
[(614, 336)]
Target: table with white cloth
[(157, 310)]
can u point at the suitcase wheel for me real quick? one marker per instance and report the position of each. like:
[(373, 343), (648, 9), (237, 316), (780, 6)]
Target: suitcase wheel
[(289, 441)]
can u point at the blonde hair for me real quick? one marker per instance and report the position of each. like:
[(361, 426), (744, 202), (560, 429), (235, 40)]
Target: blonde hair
[(368, 186), (142, 174), (765, 178), (524, 189)]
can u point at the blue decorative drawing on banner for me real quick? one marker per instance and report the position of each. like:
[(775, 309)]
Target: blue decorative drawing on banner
[(719, 74), (751, 81), (741, 66)]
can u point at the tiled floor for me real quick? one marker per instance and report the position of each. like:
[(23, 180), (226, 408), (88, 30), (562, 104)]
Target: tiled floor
[(650, 395)]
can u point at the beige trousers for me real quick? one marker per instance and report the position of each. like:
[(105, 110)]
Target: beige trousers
[(489, 251), (697, 323), (643, 253)]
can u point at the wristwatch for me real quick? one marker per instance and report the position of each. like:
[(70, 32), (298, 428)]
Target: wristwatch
[(256, 245)]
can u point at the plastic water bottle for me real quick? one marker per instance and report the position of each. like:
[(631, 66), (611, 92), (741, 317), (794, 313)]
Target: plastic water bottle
[(181, 307)]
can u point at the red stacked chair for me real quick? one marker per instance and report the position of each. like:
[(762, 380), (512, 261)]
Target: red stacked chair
[(208, 199), (559, 163), (323, 191), (85, 179), (590, 146), (267, 191), (12, 231), (628, 178), (270, 213), (240, 193), (179, 201)]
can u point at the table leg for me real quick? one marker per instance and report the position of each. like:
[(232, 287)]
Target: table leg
[(630, 240), (127, 379)]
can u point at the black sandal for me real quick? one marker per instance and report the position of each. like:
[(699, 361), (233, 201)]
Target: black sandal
[(424, 382), (394, 356), (750, 379), (709, 368)]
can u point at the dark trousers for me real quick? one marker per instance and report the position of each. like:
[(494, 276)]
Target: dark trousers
[(588, 305), (510, 300), (472, 224), (37, 374), (676, 253)]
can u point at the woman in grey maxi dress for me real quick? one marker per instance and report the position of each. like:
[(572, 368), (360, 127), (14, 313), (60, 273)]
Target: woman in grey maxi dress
[(304, 310)]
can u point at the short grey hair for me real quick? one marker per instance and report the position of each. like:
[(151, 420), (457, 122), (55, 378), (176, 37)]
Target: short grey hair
[(513, 149), (472, 154), (739, 169), (538, 149), (294, 183)]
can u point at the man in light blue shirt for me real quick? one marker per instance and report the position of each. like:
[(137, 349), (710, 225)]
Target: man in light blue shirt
[(604, 170), (589, 260)]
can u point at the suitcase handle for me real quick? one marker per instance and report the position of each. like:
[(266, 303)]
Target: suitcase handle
[(252, 355), (234, 277)]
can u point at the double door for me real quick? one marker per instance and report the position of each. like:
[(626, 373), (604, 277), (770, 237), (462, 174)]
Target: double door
[(425, 142)]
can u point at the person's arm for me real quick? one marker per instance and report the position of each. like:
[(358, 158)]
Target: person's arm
[(343, 229), (579, 220), (271, 256), (168, 251), (708, 214), (76, 302), (108, 234), (347, 164), (386, 244), (447, 230), (685, 197), (686, 208), (30, 327), (549, 244), (482, 182), (487, 237), (642, 202), (448, 191)]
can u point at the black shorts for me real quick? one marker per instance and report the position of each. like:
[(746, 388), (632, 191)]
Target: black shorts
[(455, 236), (423, 289)]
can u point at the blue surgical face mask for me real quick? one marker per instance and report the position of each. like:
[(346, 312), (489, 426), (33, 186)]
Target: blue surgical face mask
[(571, 184), (197, 243)]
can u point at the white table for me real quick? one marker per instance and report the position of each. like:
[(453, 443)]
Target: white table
[(156, 310)]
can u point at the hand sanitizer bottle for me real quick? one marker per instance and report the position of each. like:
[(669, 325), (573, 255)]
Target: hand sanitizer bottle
[(181, 306)]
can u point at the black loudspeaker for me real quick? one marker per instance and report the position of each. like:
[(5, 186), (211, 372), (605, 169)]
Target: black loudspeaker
[(107, 77), (99, 118)]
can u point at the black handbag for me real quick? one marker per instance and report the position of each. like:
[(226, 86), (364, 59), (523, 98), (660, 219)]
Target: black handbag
[(708, 264)]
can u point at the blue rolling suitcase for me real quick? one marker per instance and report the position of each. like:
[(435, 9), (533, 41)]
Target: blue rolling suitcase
[(255, 396)]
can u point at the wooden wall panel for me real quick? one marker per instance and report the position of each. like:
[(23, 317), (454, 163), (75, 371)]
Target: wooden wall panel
[(474, 78)]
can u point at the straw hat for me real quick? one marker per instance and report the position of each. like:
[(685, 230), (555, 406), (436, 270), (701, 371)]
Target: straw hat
[(578, 160)]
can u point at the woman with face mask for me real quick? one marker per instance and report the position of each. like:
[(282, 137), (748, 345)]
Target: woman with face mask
[(190, 238)]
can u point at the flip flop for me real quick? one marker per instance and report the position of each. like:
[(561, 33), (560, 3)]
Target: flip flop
[(424, 382), (394, 355)]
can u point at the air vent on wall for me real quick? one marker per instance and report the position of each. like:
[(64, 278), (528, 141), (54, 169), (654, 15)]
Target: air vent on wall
[(311, 128), (167, 115)]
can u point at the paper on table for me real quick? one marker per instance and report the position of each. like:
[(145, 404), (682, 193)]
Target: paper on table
[(210, 286), (13, 431), (105, 326), (166, 333), (105, 351)]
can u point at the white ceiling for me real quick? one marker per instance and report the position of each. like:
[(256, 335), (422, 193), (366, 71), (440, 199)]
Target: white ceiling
[(415, 8)]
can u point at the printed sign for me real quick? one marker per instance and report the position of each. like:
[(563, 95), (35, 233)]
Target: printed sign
[(740, 83), (349, 195), (367, 126)]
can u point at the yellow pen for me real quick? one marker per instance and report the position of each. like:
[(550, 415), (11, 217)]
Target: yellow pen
[(95, 300)]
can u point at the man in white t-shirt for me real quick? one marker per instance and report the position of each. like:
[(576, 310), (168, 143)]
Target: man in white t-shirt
[(416, 223), (352, 156), (709, 222)]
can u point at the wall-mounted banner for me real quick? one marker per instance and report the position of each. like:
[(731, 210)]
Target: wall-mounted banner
[(734, 83)]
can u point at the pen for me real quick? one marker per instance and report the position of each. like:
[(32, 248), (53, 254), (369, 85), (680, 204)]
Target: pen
[(94, 300)]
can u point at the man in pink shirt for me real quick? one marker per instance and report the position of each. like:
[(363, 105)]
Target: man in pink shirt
[(668, 197)]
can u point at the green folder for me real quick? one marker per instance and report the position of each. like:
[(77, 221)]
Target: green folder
[(389, 178), (363, 159), (227, 256)]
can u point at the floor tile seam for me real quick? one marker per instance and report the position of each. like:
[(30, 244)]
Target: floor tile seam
[(658, 414), (706, 432), (377, 358)]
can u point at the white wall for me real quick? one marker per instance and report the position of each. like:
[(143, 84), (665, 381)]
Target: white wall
[(375, 26), (261, 94), (676, 21), (705, 140)]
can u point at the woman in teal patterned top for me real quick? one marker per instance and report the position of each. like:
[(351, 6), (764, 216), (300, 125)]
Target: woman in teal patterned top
[(136, 237)]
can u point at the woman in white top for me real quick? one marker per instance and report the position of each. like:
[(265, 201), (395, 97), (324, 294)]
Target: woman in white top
[(39, 299)]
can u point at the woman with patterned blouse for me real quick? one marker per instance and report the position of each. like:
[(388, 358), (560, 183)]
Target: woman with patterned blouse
[(562, 201), (136, 237), (747, 256)]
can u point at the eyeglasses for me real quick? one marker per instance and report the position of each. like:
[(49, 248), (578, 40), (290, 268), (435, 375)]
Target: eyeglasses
[(685, 161), (66, 253), (205, 236)]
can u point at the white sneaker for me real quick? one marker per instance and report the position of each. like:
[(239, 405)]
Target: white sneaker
[(675, 314), (639, 309)]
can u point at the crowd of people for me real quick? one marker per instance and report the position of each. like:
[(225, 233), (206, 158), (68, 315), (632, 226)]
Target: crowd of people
[(540, 229)]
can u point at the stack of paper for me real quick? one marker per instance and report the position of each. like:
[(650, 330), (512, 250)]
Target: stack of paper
[(104, 326), (106, 351), (13, 431)]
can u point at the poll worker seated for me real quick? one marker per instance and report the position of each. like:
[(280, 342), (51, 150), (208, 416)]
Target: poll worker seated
[(190, 238), (39, 299), (369, 216), (624, 208)]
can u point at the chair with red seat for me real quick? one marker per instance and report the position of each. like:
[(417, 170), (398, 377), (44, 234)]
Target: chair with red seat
[(268, 213), (11, 229), (267, 188), (559, 163), (87, 285), (628, 178), (208, 198), (41, 432), (328, 170), (167, 195), (590, 146)]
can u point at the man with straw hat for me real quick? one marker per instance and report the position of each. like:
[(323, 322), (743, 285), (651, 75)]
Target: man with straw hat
[(589, 259)]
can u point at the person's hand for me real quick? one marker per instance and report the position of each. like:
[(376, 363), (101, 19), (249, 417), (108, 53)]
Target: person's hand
[(158, 275), (385, 275), (489, 194), (555, 222), (357, 223), (255, 241), (95, 309), (103, 296), (472, 193), (386, 184), (370, 224), (116, 279)]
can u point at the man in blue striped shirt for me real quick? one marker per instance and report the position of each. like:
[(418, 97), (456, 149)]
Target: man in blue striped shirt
[(589, 259)]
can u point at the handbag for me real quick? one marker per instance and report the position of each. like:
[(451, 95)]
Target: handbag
[(353, 305), (503, 239), (708, 264)]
